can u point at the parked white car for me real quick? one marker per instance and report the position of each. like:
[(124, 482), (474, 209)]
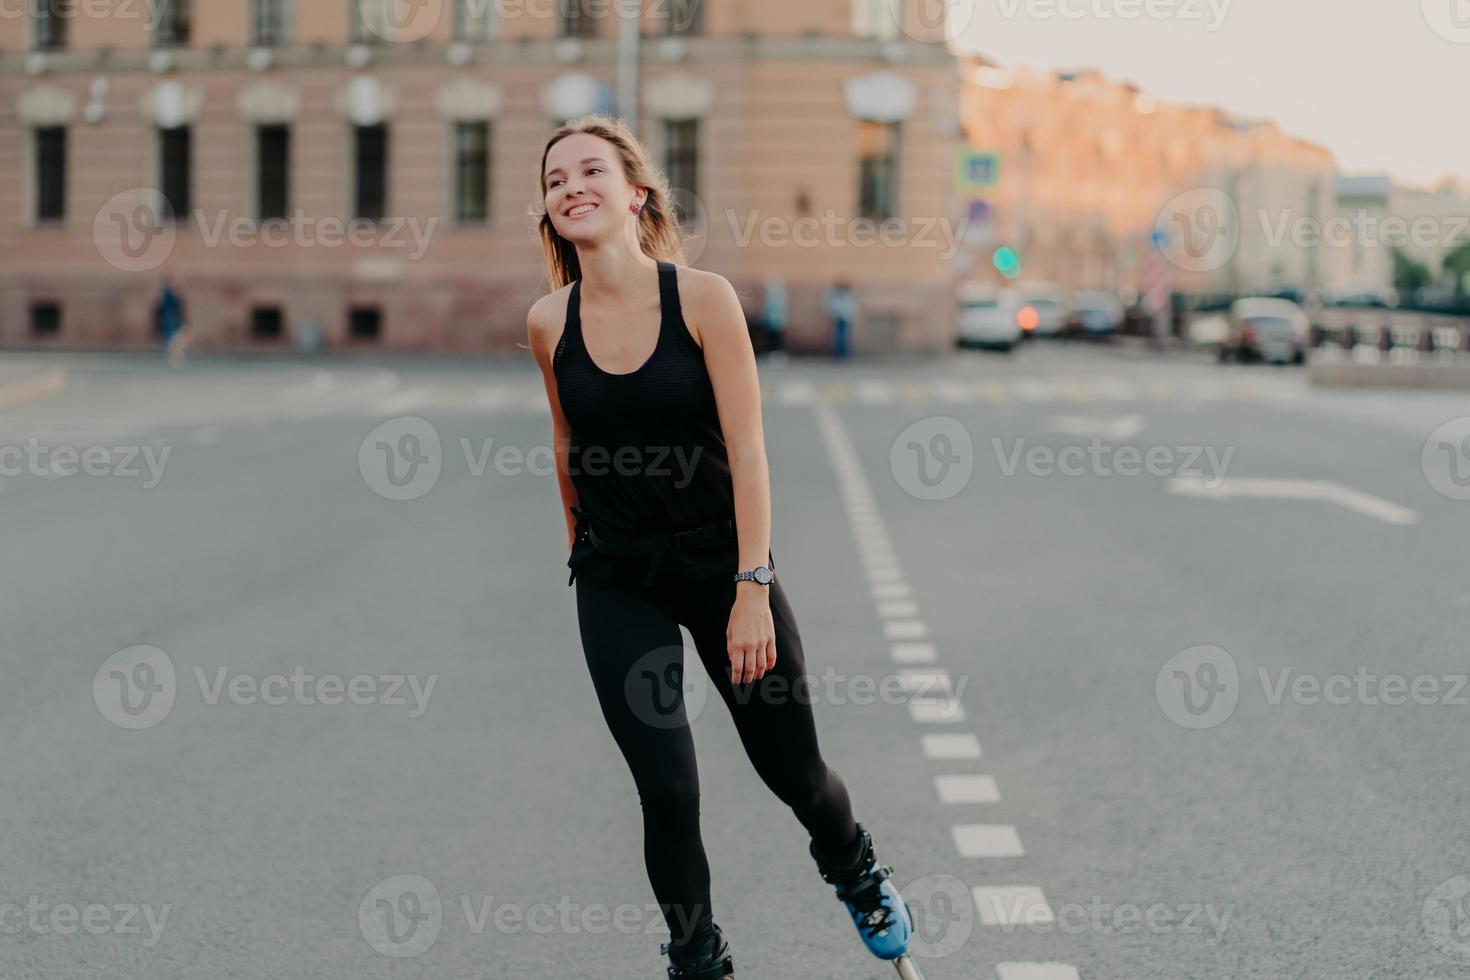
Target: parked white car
[(987, 316), (1050, 305), (1274, 330)]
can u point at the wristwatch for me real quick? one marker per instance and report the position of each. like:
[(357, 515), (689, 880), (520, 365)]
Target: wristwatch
[(760, 574)]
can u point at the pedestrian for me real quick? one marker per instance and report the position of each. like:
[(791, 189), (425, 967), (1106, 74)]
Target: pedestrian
[(773, 316), (841, 306), (169, 313), (677, 531)]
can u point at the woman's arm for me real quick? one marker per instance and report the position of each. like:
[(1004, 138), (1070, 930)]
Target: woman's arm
[(541, 333), (730, 360)]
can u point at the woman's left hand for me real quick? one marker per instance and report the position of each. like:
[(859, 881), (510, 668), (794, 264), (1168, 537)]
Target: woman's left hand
[(751, 636)]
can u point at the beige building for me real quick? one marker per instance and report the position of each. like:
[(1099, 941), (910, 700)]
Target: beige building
[(1377, 216), (365, 167), (1088, 167)]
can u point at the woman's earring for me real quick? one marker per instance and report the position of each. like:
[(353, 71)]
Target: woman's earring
[(634, 208)]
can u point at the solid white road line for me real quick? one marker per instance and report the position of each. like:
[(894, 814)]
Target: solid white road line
[(986, 840), (1290, 489)]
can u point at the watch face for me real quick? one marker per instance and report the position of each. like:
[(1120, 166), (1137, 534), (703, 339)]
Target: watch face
[(763, 575)]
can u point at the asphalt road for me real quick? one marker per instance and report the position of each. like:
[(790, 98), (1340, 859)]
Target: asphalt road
[(262, 719)]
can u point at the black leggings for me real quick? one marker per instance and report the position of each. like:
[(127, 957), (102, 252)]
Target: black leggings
[(630, 636)]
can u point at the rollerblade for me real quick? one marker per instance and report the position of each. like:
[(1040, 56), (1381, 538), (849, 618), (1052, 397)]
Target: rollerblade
[(706, 960), (882, 916)]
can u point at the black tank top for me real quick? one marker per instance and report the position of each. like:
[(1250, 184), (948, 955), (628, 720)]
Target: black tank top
[(647, 452)]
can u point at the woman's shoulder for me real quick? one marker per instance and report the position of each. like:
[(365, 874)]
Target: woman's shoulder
[(546, 318), (708, 301)]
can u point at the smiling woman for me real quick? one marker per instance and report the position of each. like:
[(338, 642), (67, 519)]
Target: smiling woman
[(645, 362)]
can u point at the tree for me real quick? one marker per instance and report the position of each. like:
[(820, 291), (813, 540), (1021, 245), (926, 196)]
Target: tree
[(1409, 275)]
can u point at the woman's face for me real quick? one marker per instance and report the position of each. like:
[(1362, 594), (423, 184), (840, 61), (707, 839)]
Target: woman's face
[(587, 194)]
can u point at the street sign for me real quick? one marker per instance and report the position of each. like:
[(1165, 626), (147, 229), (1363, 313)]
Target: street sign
[(976, 171)]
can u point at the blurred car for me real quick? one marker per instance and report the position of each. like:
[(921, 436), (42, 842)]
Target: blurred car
[(1364, 295), (1208, 331), (987, 316), (1274, 330), (1045, 308), (1095, 314)]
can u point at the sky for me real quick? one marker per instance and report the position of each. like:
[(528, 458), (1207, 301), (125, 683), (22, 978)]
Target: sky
[(1381, 83)]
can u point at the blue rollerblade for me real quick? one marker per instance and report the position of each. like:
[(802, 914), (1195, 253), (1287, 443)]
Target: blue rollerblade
[(706, 960), (880, 913)]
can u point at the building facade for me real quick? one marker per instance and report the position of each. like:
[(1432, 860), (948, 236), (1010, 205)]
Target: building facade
[(1088, 168), (367, 169)]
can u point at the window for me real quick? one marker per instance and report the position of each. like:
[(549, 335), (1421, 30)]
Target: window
[(271, 23), (266, 323), (364, 323), (272, 171), (173, 182), (45, 318), (579, 17), (51, 173), (877, 20), (877, 169), (684, 17), (681, 161), (474, 20), (471, 172), (371, 165), (370, 21), (50, 25), (171, 22)]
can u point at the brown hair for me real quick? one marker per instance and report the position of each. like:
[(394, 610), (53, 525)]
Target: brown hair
[(658, 232)]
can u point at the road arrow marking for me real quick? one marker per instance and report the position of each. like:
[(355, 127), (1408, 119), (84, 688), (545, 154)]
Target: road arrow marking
[(1285, 489)]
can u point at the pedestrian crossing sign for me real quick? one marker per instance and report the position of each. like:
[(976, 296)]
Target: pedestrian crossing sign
[(976, 171)]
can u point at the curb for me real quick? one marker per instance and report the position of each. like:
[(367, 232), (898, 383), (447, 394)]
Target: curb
[(32, 389)]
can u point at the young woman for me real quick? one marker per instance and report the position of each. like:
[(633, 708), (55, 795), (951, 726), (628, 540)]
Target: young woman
[(661, 464)]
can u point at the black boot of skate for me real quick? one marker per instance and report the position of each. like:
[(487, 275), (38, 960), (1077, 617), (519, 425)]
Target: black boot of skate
[(708, 959)]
